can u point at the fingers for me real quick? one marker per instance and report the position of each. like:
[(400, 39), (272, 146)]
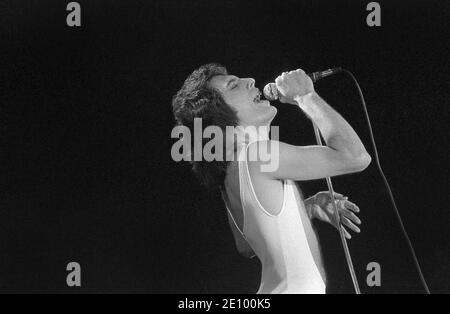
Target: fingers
[(351, 206), (294, 71), (279, 82), (336, 194), (298, 71), (347, 203), (350, 224), (346, 234), (350, 215), (339, 196)]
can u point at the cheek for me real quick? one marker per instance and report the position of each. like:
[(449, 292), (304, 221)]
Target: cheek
[(235, 100), (238, 105)]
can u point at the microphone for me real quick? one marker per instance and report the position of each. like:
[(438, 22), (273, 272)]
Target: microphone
[(271, 91)]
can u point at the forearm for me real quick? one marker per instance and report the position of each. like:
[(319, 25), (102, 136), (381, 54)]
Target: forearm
[(337, 132)]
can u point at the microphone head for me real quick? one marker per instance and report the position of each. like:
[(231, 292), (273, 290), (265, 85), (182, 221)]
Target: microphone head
[(270, 92)]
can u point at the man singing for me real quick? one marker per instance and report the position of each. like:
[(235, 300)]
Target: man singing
[(266, 211)]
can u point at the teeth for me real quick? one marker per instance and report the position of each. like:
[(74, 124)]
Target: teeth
[(258, 97)]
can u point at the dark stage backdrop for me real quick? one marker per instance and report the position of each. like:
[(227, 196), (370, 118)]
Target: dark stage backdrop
[(86, 171)]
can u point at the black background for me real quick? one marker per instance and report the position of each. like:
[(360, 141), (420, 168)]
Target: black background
[(87, 174)]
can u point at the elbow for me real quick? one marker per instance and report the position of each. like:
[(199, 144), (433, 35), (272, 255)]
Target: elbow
[(357, 162), (362, 161)]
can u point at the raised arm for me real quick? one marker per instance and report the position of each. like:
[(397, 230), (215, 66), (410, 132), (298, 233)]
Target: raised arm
[(344, 152)]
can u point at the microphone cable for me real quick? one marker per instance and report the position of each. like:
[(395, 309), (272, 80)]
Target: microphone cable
[(411, 248)]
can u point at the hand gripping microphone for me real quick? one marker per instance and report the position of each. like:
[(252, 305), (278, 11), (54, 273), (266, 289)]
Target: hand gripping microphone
[(271, 91)]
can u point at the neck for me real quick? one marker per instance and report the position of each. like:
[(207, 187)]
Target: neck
[(248, 134)]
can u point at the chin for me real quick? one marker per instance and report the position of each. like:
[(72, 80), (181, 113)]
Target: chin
[(274, 112)]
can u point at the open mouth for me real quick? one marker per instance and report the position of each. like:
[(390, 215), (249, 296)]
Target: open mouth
[(257, 98)]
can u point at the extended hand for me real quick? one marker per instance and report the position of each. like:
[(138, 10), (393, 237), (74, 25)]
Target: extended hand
[(321, 207)]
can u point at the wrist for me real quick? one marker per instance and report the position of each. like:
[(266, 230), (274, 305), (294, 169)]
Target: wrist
[(306, 99)]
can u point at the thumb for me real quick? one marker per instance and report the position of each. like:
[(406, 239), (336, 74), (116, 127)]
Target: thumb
[(340, 196)]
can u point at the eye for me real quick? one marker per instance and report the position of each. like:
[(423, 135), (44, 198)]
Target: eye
[(235, 86)]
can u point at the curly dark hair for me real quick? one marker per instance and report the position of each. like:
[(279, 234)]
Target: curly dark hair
[(196, 99)]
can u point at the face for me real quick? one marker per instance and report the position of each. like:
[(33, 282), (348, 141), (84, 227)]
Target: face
[(242, 95)]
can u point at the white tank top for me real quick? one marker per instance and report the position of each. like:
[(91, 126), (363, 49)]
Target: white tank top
[(280, 241)]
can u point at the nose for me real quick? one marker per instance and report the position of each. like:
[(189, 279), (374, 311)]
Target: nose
[(251, 83)]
